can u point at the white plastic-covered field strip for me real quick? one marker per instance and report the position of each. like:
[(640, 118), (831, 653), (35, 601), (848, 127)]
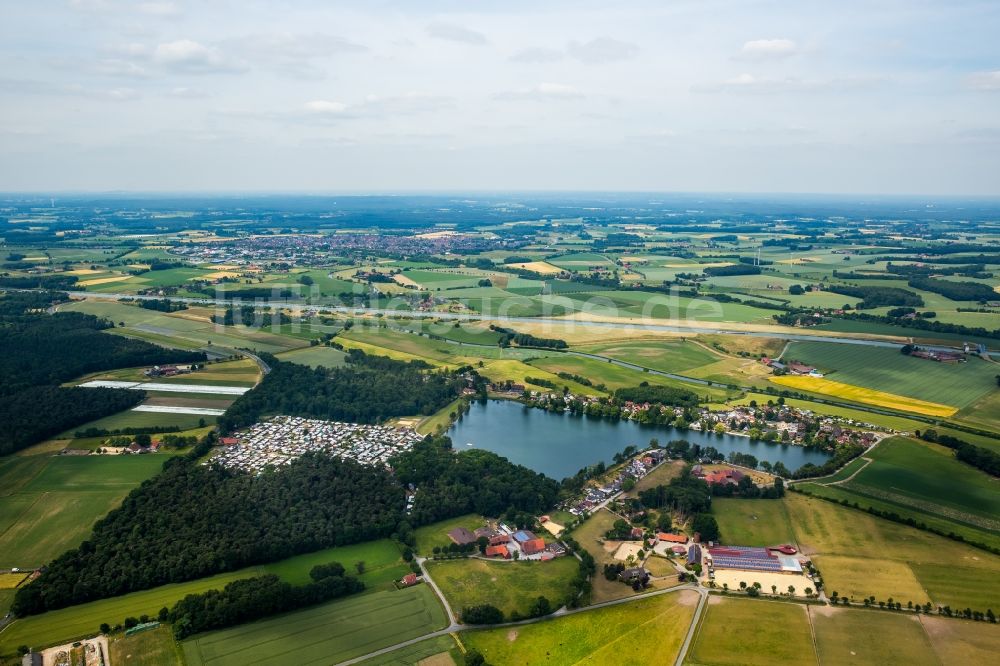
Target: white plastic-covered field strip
[(166, 409), (168, 388)]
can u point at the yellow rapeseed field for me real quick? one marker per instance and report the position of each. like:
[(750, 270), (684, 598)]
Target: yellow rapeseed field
[(865, 395)]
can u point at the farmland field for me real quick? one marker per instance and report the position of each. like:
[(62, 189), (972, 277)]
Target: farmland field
[(861, 555), (869, 637), (962, 643), (510, 586), (744, 632), (416, 653), (48, 504), (328, 633), (756, 522), (382, 564), (649, 631), (864, 395), (315, 357), (666, 356), (957, 384)]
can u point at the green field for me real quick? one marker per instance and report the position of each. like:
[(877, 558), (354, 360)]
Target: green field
[(153, 647), (745, 632), (132, 419), (328, 633), (860, 555), (315, 357), (49, 504), (666, 356), (648, 631), (756, 522), (382, 565), (413, 654), (510, 586), (958, 384), (852, 636), (436, 534), (924, 481)]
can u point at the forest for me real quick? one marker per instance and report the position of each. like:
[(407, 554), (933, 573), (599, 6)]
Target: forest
[(43, 350), (685, 494), (368, 389), (658, 395), (956, 291), (876, 297), (253, 598), (452, 484), (194, 520)]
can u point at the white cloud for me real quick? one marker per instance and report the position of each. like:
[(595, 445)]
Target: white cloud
[(325, 107), (543, 91), (456, 33), (602, 50), (538, 55), (761, 49), (748, 83), (121, 67), (984, 80), (193, 57), (165, 9), (299, 46)]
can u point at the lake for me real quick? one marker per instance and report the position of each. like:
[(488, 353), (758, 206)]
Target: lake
[(559, 445)]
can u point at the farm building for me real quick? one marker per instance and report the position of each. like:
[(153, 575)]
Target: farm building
[(498, 551), (635, 573), (461, 536), (671, 537), (528, 542), (409, 580), (493, 536), (694, 554), (752, 559)]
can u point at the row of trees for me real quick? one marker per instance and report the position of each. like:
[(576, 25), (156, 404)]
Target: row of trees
[(956, 291), (875, 297), (508, 335), (253, 598), (977, 456)]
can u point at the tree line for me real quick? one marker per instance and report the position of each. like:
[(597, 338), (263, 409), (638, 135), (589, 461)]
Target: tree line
[(194, 520), (508, 335), (368, 389), (250, 599), (977, 456), (956, 291), (875, 297)]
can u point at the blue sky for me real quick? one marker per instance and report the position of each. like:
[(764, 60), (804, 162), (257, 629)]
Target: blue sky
[(754, 96)]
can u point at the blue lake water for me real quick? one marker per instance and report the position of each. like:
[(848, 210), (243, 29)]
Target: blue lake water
[(559, 445)]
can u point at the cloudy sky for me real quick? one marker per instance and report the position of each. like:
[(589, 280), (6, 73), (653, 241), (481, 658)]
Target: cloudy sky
[(884, 96)]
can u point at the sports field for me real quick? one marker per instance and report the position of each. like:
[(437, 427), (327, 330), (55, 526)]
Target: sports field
[(382, 565), (649, 631), (48, 504), (863, 395), (746, 632), (756, 522), (510, 586), (328, 633), (957, 384)]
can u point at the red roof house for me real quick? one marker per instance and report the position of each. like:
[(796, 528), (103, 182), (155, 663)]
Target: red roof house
[(498, 551), (532, 546)]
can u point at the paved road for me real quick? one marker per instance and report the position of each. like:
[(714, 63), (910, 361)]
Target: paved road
[(675, 326)]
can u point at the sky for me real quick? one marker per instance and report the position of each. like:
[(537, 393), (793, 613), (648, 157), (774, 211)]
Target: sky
[(871, 96)]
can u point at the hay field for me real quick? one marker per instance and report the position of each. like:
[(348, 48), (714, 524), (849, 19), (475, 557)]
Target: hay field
[(864, 395)]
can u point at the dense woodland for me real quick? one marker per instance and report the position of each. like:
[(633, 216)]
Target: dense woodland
[(194, 520), (452, 484), (876, 297), (369, 389), (956, 291), (253, 598), (43, 350)]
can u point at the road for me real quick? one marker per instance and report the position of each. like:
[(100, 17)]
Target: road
[(675, 325)]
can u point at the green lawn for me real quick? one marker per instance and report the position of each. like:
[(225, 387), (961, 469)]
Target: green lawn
[(852, 636), (382, 565), (649, 631), (153, 647), (883, 369), (754, 522), (436, 534), (328, 633), (510, 586), (745, 632)]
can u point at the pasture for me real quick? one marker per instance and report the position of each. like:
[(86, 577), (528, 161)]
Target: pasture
[(674, 356), (649, 631), (382, 564), (327, 633), (510, 586), (745, 632), (958, 384), (852, 636), (962, 643), (756, 522), (152, 647), (49, 504), (315, 357), (436, 534)]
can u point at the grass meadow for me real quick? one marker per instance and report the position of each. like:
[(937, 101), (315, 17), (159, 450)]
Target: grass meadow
[(757, 522), (648, 631), (742, 632)]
